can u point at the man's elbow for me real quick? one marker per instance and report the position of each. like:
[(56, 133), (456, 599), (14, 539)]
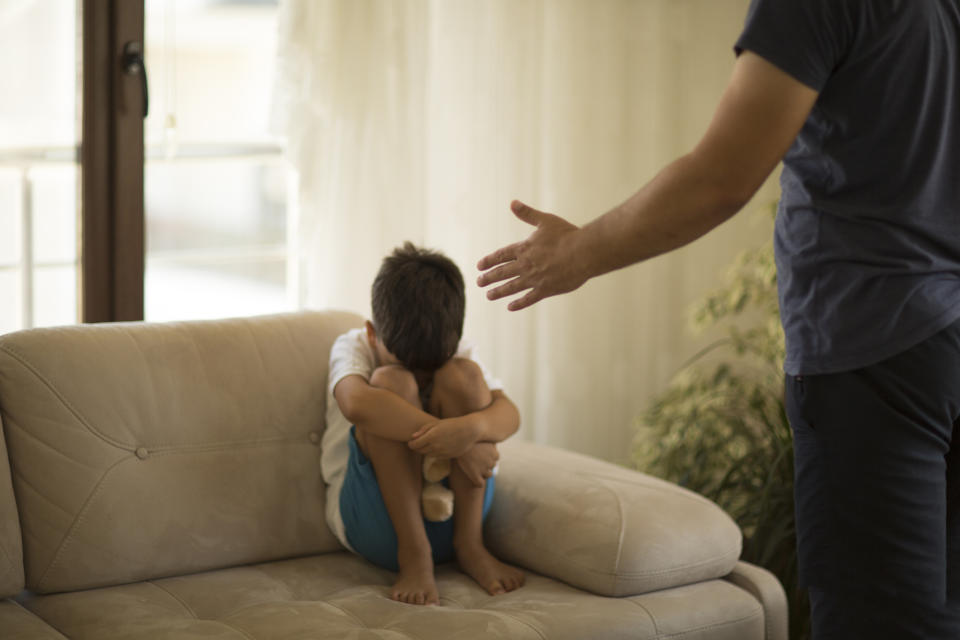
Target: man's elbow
[(727, 185), (723, 195), (731, 189), (731, 197)]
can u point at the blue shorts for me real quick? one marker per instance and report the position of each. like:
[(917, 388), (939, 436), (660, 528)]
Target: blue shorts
[(367, 523)]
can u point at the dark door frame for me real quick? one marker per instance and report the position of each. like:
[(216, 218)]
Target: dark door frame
[(111, 157)]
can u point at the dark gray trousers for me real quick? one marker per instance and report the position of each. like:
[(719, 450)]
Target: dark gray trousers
[(878, 494)]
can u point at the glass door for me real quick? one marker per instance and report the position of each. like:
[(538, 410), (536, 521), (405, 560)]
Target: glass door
[(219, 194), (39, 169)]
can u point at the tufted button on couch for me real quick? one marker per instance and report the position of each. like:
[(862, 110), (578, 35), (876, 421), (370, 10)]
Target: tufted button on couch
[(164, 482)]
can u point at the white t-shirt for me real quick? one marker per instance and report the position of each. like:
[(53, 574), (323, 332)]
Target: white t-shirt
[(351, 355)]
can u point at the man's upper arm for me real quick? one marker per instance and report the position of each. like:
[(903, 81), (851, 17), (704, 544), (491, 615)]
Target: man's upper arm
[(759, 115)]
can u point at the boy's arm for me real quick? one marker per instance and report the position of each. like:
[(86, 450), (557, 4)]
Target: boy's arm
[(452, 437), (378, 411), (498, 421), (478, 462)]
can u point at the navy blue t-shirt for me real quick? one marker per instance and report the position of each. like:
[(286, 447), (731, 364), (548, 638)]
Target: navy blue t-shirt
[(867, 235)]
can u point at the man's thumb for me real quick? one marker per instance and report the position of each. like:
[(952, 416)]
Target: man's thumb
[(525, 213)]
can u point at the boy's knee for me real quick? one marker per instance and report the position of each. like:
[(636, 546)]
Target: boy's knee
[(397, 379), (462, 378)]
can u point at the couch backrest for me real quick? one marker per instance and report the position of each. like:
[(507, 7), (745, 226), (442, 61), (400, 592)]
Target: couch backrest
[(147, 450), (11, 553)]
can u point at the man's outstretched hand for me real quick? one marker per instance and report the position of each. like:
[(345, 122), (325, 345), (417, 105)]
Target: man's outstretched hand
[(544, 263)]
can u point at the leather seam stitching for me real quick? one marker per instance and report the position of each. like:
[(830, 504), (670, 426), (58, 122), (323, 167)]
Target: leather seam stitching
[(19, 357), (11, 566), (521, 621), (230, 626), (714, 625), (653, 620), (346, 613), (132, 447), (176, 599), (75, 525), (213, 447), (36, 617)]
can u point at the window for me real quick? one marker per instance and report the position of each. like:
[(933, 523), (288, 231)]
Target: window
[(219, 192), (202, 202), (39, 171)]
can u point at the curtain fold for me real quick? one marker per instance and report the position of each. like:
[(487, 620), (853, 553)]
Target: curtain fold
[(421, 119)]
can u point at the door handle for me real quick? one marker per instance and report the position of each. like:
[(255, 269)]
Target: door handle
[(133, 65)]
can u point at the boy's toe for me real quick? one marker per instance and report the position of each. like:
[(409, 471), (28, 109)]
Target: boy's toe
[(496, 588)]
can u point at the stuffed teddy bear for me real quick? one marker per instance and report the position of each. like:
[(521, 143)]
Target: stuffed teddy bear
[(436, 499)]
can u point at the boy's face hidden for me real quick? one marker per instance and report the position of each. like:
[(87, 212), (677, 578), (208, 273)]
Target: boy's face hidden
[(384, 357)]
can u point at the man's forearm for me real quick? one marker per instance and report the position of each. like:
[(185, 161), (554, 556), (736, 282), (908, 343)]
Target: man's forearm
[(683, 202), (759, 115), (758, 118)]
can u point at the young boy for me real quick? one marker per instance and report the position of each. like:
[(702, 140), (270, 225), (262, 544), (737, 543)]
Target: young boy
[(401, 387)]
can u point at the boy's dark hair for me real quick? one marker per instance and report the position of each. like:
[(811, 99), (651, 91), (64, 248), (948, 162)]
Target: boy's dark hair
[(418, 305)]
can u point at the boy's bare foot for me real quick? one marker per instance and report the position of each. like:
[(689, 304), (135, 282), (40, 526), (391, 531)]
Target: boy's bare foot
[(491, 574), (416, 584)]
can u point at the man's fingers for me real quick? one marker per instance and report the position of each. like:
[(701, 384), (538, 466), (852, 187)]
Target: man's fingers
[(503, 272), (505, 254), (532, 297), (509, 253), (505, 260), (514, 286), (526, 213)]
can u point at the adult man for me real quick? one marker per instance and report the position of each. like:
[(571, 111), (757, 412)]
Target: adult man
[(861, 101)]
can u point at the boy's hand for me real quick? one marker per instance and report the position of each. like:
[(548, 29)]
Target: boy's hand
[(478, 462), (447, 438)]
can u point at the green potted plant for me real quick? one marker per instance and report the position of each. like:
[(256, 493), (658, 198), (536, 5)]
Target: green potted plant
[(721, 429)]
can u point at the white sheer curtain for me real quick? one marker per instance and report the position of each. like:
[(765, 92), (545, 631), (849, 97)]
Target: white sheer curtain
[(422, 119)]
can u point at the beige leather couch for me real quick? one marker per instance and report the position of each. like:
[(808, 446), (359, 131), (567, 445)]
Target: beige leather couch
[(164, 482)]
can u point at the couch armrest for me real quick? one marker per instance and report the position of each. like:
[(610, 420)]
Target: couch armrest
[(765, 587), (604, 528)]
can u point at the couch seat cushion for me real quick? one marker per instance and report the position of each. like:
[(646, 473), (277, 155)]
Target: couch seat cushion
[(16, 623), (339, 595)]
